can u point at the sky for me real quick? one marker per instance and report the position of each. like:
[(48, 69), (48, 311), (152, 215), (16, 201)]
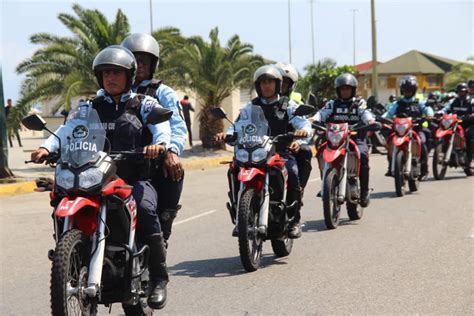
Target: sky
[(442, 27)]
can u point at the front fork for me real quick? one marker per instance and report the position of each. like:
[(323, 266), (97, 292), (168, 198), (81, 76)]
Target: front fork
[(447, 156), (97, 260), (407, 162)]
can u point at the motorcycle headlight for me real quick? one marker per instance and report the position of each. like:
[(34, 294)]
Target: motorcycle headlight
[(90, 178), (401, 129), (242, 155), (64, 178), (259, 154), (335, 138), (446, 123)]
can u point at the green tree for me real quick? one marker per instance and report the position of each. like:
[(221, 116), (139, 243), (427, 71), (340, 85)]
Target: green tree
[(461, 72), (61, 69), (214, 72), (320, 77), (170, 41)]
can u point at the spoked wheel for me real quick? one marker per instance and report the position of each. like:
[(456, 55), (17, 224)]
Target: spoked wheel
[(250, 242), (399, 174), (354, 210), (439, 167), (332, 208), (69, 277)]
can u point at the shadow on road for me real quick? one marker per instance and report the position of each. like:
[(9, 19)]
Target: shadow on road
[(383, 195), (447, 178), (220, 267), (320, 226)]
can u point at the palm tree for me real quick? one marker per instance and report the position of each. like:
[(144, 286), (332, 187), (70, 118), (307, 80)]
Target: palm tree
[(61, 69), (170, 41), (214, 72), (461, 72)]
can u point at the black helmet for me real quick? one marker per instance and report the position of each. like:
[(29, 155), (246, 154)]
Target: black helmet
[(144, 43), (470, 83), (408, 83), (392, 97), (461, 87), (115, 56), (346, 79), (267, 72)]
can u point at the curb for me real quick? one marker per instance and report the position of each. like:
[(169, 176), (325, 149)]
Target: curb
[(205, 163), (29, 186), (17, 188)]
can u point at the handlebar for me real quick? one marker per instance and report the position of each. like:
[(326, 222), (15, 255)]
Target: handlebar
[(51, 159)]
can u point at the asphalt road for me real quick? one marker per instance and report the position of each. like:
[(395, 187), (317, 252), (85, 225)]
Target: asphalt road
[(410, 255)]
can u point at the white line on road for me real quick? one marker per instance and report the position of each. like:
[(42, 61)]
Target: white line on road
[(195, 217)]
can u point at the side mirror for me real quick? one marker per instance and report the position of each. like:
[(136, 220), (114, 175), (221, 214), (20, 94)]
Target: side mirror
[(304, 110), (158, 115), (34, 122), (218, 113)]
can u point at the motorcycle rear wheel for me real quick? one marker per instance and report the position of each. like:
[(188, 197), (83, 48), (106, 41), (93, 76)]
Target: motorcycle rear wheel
[(399, 174), (282, 247), (69, 273), (331, 207), (141, 309), (250, 242), (354, 211), (439, 168)]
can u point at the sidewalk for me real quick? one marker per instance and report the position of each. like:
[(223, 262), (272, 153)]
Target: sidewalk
[(25, 174)]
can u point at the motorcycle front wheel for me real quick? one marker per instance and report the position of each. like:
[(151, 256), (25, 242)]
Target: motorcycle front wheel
[(439, 167), (250, 242), (69, 277), (331, 206), (399, 174)]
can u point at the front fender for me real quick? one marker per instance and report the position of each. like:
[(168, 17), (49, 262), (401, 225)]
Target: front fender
[(399, 141), (69, 207), (330, 155), (246, 175), (440, 133)]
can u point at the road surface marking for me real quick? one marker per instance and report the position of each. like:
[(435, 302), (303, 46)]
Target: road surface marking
[(195, 217)]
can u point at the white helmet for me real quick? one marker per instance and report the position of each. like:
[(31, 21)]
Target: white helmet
[(288, 71), (267, 72)]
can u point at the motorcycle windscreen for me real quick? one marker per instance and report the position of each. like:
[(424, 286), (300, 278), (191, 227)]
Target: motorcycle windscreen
[(252, 127), (84, 138)]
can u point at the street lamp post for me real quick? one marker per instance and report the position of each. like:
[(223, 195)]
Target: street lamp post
[(312, 30), (151, 18), (289, 29), (375, 83), (354, 36)]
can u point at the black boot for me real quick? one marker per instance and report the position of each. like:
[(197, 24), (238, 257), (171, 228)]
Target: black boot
[(294, 229), (158, 272), (364, 186)]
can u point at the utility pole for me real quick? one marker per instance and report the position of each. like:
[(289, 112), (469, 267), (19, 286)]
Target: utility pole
[(5, 172), (312, 30), (354, 35), (289, 29), (375, 82), (151, 18)]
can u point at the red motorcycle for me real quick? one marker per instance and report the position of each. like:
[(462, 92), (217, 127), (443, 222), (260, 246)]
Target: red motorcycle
[(258, 182), (96, 259), (404, 152), (450, 148), (339, 160)]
